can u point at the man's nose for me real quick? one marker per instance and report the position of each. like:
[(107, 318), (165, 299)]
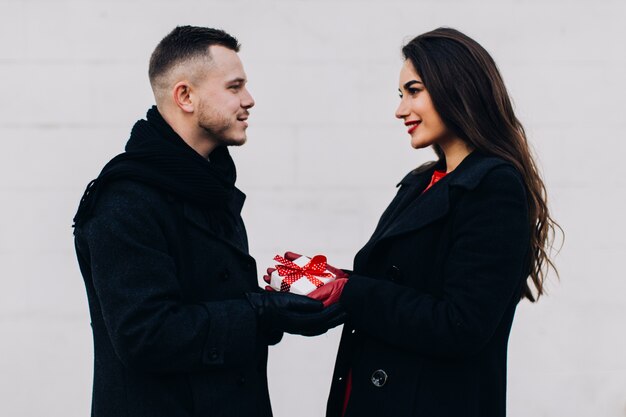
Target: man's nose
[(247, 101)]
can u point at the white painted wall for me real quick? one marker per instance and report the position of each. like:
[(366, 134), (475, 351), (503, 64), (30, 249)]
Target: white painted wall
[(324, 75)]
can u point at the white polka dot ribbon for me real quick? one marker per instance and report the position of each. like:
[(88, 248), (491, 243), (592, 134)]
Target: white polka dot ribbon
[(291, 272)]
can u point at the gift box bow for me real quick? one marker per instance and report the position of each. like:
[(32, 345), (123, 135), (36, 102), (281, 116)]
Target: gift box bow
[(312, 271)]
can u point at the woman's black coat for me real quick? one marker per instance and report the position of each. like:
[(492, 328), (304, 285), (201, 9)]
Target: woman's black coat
[(433, 295), (173, 333)]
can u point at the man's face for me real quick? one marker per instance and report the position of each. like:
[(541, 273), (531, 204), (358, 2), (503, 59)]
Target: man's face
[(223, 100)]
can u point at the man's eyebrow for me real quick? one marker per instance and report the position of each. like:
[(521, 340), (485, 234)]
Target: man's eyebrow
[(410, 83), (237, 80)]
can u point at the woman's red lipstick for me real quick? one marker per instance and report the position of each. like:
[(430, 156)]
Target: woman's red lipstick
[(413, 125)]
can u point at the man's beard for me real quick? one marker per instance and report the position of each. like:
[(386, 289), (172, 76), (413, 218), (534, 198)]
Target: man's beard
[(217, 126)]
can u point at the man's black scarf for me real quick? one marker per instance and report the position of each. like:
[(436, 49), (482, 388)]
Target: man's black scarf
[(155, 155)]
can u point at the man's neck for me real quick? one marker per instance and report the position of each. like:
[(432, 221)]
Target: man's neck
[(190, 135)]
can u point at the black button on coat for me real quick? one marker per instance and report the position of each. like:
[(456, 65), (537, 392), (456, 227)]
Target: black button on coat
[(433, 295), (173, 333)]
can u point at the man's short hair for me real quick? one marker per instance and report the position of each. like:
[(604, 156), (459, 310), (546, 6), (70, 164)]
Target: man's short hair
[(186, 43)]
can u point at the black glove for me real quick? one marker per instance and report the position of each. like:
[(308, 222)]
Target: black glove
[(295, 314)]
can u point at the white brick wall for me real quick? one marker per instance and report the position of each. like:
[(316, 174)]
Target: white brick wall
[(324, 75)]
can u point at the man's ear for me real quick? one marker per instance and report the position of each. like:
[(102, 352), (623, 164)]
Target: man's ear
[(182, 96)]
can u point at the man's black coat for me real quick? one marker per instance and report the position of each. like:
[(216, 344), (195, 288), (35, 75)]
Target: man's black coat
[(433, 295), (173, 333)]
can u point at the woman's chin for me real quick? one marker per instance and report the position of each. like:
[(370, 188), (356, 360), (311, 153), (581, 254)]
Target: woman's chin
[(418, 144)]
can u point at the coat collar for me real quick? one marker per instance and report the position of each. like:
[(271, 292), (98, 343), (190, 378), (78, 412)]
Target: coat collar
[(468, 174), (435, 203), (198, 217)]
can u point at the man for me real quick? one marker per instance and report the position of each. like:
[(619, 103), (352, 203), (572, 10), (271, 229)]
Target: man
[(180, 325)]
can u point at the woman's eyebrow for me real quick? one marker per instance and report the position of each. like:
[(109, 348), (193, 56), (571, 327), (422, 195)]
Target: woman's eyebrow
[(410, 83)]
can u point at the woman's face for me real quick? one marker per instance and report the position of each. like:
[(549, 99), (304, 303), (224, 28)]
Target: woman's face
[(418, 112)]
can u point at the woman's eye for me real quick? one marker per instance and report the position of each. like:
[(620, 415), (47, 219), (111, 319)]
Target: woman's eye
[(411, 91)]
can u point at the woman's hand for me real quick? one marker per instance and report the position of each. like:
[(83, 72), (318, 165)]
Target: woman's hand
[(330, 293)]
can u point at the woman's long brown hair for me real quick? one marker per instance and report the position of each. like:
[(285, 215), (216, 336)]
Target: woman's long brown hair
[(468, 93)]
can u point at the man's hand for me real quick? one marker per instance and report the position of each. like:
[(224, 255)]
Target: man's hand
[(295, 314)]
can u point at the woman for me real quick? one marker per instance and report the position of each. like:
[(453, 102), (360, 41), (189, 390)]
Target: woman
[(433, 293)]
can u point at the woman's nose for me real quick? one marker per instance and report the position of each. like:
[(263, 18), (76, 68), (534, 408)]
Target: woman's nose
[(402, 110)]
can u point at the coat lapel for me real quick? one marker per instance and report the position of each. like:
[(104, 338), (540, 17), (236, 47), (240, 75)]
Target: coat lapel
[(409, 186), (434, 204), (198, 218), (423, 210)]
